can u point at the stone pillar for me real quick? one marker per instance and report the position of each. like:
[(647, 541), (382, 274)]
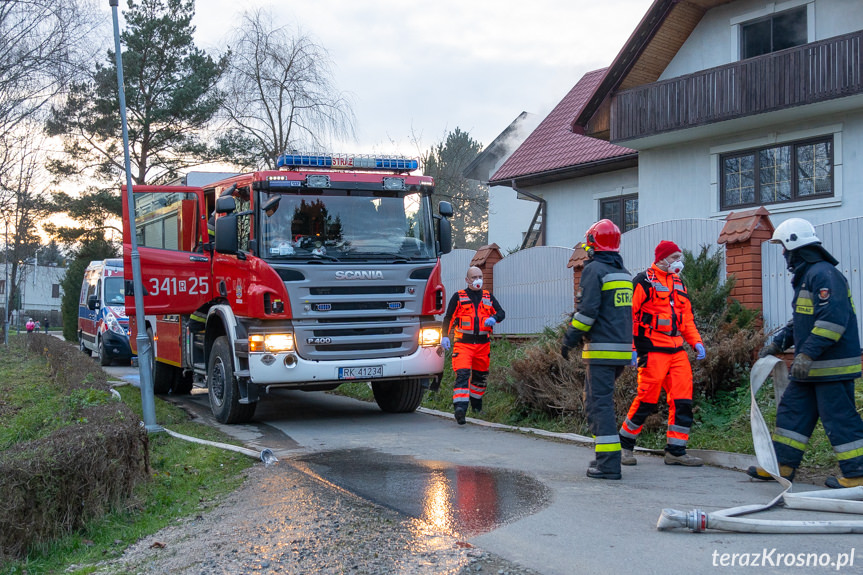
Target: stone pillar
[(743, 234), (485, 258), (576, 262)]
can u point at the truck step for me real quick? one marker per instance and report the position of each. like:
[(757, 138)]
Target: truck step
[(242, 373)]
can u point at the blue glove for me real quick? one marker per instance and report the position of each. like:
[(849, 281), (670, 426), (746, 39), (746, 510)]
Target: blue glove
[(444, 343), (634, 361), (702, 353), (490, 322)]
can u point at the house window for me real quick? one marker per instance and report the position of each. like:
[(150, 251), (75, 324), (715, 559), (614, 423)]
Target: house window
[(786, 173), (55, 291), (622, 210), (776, 32)]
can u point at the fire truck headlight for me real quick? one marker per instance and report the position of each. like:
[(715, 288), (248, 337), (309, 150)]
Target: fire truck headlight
[(271, 342), (429, 336)]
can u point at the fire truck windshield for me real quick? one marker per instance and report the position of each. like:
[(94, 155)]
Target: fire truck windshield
[(348, 226)]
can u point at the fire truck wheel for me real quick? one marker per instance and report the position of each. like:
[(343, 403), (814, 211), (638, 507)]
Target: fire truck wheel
[(222, 386), (104, 358), (162, 374), (84, 349), (398, 396)]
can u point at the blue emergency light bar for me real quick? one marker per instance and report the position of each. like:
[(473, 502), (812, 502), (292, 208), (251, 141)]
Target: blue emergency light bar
[(345, 162)]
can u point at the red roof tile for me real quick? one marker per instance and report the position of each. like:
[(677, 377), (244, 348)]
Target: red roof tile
[(553, 145), (741, 226)]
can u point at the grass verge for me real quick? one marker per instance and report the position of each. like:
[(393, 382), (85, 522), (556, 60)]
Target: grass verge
[(185, 478)]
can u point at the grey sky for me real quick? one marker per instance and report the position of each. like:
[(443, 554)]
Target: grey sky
[(418, 70)]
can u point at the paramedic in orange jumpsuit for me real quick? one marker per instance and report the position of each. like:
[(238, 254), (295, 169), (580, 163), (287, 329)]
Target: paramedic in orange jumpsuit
[(472, 313), (661, 320)]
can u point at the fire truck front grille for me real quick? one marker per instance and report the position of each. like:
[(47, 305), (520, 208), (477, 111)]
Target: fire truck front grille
[(333, 340), (356, 290)]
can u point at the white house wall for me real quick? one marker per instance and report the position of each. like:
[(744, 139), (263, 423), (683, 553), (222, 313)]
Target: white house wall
[(573, 205), (715, 40), (681, 181), (508, 217)]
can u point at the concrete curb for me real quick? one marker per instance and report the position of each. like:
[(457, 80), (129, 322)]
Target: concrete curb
[(739, 461)]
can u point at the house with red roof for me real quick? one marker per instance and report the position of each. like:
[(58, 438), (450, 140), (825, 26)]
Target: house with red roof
[(572, 179), (736, 104)]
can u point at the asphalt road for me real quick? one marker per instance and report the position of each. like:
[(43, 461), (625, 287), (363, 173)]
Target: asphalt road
[(527, 498)]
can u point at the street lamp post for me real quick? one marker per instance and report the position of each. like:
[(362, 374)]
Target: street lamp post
[(6, 283)]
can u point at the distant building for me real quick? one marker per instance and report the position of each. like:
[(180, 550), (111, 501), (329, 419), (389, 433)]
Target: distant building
[(40, 291)]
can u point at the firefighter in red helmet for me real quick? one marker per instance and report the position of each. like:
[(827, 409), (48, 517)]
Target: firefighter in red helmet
[(472, 313), (603, 319), (662, 321)]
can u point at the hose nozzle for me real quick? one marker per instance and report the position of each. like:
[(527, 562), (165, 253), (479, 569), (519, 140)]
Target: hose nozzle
[(695, 520), (268, 457)]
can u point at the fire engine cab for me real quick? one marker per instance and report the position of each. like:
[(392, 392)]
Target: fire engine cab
[(324, 271)]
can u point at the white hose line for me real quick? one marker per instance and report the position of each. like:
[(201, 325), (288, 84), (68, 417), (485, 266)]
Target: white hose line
[(266, 455), (848, 500)]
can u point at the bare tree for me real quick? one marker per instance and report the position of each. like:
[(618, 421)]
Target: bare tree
[(279, 94), (43, 44)]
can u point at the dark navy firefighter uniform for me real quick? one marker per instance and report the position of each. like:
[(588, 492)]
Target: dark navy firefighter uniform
[(824, 328), (603, 319)]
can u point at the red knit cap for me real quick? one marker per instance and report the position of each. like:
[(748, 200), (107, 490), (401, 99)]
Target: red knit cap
[(665, 249)]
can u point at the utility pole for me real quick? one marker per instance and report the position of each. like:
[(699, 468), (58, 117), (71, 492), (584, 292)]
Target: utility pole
[(145, 351)]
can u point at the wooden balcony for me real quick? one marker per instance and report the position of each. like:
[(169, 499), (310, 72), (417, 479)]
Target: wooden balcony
[(807, 74)]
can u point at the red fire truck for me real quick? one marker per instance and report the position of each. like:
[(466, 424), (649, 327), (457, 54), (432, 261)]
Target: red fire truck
[(324, 271)]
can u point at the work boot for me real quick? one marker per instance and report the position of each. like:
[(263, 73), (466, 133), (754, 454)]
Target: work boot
[(595, 473), (685, 459), (840, 482), (627, 458), (476, 404), (786, 471), (460, 412)]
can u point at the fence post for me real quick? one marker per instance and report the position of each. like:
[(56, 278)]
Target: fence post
[(743, 234), (485, 258), (576, 262)]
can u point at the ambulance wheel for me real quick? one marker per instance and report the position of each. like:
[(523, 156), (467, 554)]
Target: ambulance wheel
[(104, 359), (163, 375), (398, 396), (84, 349), (222, 386)]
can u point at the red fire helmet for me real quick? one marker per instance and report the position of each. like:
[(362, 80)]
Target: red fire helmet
[(603, 236)]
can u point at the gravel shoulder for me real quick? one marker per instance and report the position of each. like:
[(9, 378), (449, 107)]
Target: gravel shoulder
[(283, 520)]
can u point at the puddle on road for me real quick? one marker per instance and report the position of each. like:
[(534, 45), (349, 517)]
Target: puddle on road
[(458, 499)]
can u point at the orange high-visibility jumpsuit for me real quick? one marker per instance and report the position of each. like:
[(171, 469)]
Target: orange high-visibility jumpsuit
[(661, 320)]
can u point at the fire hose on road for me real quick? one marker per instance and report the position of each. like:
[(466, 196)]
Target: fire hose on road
[(847, 500)]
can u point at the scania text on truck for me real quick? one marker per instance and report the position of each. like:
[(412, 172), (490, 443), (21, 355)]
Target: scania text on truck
[(324, 271)]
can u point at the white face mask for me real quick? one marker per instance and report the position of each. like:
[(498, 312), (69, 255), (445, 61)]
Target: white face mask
[(675, 267), (476, 284)]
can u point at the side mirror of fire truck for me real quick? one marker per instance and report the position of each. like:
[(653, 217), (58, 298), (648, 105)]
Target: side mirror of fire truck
[(226, 241), (444, 228), (225, 204)]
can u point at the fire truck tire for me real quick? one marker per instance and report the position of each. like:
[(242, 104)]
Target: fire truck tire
[(104, 359), (163, 377), (84, 349), (398, 396), (222, 386)]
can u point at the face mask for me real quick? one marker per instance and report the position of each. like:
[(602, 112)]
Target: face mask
[(675, 267), (477, 284)]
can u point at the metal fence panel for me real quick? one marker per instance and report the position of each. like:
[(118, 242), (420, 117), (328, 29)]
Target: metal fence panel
[(637, 246), (840, 238), (534, 287)]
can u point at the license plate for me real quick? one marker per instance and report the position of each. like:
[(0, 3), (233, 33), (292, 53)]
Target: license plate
[(361, 372)]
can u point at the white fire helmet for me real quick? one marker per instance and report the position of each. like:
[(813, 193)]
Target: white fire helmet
[(794, 233)]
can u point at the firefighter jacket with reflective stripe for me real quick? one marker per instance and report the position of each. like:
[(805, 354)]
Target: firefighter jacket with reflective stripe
[(824, 324), (604, 310), (466, 315), (661, 313)]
